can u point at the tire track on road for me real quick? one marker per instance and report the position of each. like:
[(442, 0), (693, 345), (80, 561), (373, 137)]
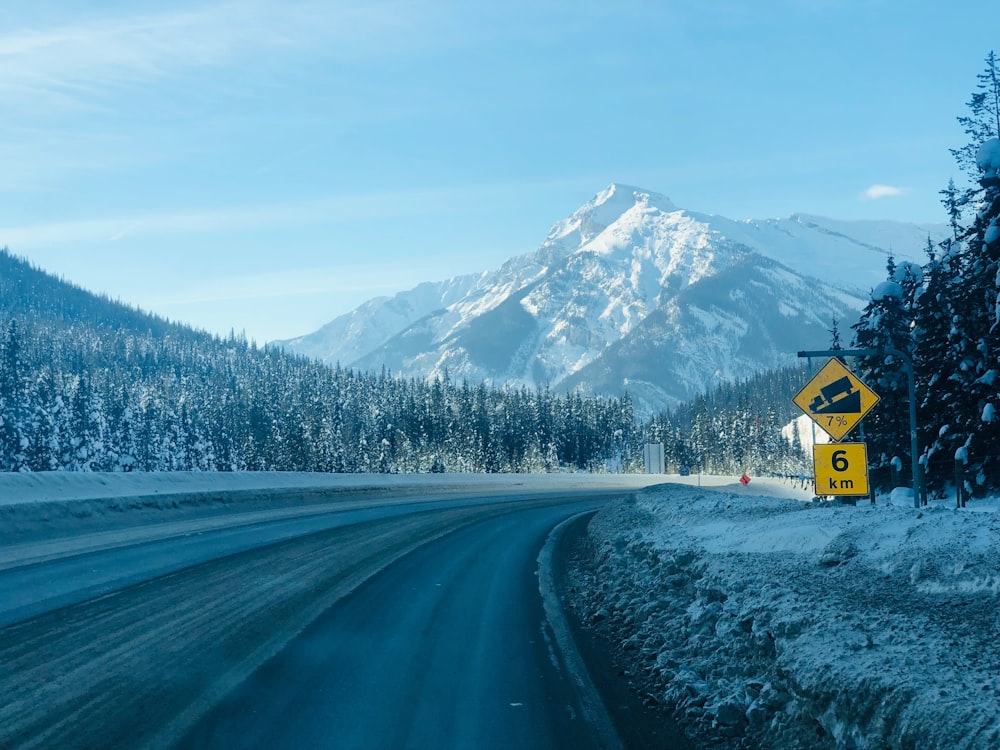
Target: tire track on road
[(137, 667)]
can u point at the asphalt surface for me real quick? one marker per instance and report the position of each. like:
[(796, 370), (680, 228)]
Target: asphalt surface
[(447, 648), (40, 583), (410, 627)]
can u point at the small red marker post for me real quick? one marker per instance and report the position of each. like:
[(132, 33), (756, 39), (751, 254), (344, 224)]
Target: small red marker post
[(744, 480)]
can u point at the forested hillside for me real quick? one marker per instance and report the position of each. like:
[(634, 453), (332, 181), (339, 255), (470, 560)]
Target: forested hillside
[(735, 427), (88, 384)]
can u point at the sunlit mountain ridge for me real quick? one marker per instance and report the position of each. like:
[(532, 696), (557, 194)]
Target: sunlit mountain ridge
[(631, 293)]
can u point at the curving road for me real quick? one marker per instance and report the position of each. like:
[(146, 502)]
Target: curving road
[(445, 649), (416, 625)]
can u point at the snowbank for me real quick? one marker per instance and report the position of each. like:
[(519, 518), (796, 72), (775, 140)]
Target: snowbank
[(57, 503), (16, 488), (786, 624), (57, 486)]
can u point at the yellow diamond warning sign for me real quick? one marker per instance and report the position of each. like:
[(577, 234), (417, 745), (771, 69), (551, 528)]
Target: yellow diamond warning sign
[(835, 399), (841, 468)]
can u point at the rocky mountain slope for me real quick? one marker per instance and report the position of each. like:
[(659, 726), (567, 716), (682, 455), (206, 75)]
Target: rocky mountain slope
[(631, 293)]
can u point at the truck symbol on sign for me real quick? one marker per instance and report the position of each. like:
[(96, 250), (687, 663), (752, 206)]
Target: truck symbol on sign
[(839, 397)]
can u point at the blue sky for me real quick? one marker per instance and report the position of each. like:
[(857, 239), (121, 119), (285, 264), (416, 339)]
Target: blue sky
[(266, 165)]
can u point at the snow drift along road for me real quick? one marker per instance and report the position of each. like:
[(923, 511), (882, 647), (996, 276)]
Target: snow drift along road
[(785, 624)]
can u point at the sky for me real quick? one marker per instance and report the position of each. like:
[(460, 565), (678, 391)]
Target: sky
[(266, 165)]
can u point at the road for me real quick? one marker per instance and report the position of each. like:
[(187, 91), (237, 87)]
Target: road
[(416, 625)]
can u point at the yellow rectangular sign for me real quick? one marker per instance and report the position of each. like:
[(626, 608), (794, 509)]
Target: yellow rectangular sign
[(841, 468)]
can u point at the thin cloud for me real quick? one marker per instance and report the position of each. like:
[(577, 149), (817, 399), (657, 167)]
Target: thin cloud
[(289, 284), (96, 91), (875, 192), (71, 63), (330, 209)]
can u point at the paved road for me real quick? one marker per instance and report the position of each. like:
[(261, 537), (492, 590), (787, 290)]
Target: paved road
[(447, 648), (35, 580), (417, 628)]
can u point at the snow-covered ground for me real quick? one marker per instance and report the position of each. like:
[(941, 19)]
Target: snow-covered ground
[(773, 622)]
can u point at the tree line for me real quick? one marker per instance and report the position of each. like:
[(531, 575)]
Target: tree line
[(87, 384), (736, 427)]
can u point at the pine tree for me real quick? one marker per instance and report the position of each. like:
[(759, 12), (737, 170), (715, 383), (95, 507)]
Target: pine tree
[(983, 120), (886, 323), (952, 201), (934, 363), (834, 332), (12, 402), (974, 338)]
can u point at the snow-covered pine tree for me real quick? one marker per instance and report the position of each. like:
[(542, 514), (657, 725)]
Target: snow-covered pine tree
[(937, 391), (11, 398), (975, 334), (834, 331), (887, 323), (980, 124), (983, 248)]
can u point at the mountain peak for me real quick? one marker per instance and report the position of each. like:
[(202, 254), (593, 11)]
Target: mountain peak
[(603, 210), (628, 195)]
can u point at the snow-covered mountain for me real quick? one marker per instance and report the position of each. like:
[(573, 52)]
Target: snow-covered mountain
[(631, 293), (349, 337)]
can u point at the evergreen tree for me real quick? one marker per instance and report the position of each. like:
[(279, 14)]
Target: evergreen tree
[(12, 393), (834, 332), (978, 290), (886, 323), (981, 123), (971, 360), (937, 392)]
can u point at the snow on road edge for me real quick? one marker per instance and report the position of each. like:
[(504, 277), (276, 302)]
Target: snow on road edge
[(594, 710), (18, 488), (772, 623), (56, 486), (56, 504)]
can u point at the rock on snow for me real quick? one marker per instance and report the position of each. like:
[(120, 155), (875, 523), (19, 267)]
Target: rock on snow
[(778, 623)]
